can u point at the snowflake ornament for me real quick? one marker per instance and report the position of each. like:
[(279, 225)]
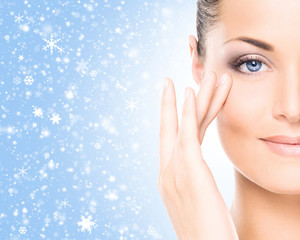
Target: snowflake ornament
[(97, 146), (86, 224), (51, 44), (131, 104), (82, 67), (55, 118), (22, 230), (23, 171), (38, 112), (18, 18), (93, 73), (28, 80)]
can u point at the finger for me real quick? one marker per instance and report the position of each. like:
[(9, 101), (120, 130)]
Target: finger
[(217, 102), (188, 128), (168, 124), (188, 162), (205, 96), (187, 139)]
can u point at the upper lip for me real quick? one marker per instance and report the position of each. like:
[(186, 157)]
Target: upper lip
[(283, 139)]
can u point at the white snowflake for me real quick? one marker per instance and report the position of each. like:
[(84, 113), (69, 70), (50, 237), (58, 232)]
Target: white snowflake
[(17, 80), (24, 210), (18, 18), (45, 133), (23, 171), (38, 112), (6, 37), (98, 146), (21, 58), (118, 30), (28, 80), (55, 118), (131, 104), (82, 66), (65, 203), (112, 179), (22, 230), (93, 73), (86, 224), (51, 44)]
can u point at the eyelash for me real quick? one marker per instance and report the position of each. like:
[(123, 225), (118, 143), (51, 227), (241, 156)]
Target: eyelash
[(239, 62)]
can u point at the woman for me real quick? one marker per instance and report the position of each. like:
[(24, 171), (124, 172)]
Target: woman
[(251, 49)]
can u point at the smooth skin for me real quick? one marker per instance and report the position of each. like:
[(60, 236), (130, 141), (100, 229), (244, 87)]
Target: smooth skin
[(266, 202), (186, 184)]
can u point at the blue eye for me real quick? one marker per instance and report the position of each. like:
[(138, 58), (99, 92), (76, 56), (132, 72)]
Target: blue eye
[(249, 65), (253, 66)]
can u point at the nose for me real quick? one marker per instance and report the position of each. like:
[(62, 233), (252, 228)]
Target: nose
[(288, 96)]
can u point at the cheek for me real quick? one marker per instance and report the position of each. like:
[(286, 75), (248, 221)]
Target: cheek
[(238, 120), (243, 119), (242, 110)]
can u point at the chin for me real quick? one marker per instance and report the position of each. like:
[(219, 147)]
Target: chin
[(285, 180), (282, 188), (283, 183)]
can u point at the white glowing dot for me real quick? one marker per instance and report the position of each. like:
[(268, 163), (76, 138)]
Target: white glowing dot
[(69, 95), (51, 164), (24, 27)]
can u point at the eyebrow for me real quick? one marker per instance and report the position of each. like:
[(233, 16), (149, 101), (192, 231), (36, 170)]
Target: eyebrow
[(255, 42)]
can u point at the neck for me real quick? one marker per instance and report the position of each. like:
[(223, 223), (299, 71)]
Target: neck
[(260, 214)]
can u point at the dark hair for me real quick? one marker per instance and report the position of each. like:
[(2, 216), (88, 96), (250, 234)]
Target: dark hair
[(207, 16)]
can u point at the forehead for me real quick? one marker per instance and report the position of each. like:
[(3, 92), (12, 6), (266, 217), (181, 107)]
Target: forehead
[(274, 21)]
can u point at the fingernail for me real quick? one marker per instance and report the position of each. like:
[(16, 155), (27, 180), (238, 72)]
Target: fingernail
[(187, 93), (222, 80), (166, 83)]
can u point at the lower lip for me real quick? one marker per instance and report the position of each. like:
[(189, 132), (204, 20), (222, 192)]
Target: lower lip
[(284, 149)]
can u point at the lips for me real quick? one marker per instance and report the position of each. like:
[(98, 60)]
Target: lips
[(283, 139)]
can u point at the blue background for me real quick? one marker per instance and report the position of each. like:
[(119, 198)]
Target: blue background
[(79, 143)]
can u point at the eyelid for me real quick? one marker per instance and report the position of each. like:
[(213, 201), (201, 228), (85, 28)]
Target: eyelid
[(240, 60), (261, 57)]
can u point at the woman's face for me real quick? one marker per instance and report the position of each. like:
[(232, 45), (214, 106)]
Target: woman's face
[(265, 96)]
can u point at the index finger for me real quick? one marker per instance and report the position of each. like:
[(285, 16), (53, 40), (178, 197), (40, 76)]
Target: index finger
[(168, 124)]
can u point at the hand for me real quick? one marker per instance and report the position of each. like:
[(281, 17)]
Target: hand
[(186, 184)]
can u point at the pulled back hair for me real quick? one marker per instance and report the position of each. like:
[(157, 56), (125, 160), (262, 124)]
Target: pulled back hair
[(207, 17)]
